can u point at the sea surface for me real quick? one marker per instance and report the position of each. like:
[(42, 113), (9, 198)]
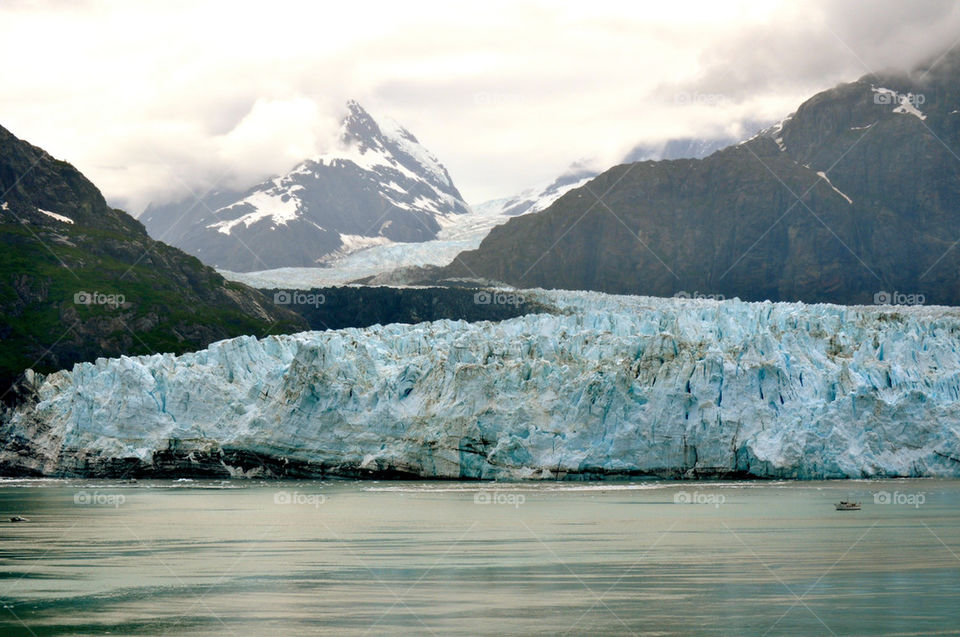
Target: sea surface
[(447, 558)]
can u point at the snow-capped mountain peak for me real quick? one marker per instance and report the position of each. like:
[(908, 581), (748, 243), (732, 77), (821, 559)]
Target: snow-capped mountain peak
[(383, 141), (377, 185), (358, 126)]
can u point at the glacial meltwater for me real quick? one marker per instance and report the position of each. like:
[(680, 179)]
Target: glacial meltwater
[(451, 558)]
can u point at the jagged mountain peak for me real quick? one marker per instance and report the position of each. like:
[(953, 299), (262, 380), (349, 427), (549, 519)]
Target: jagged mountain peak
[(358, 127), (377, 185), (390, 144)]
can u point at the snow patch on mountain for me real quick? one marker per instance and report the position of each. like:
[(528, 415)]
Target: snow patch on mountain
[(409, 145), (774, 132), (906, 102), (539, 197), (52, 215), (824, 177), (278, 204), (373, 159)]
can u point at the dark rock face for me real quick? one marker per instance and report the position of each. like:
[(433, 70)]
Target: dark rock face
[(339, 307), (79, 280), (758, 220), (381, 184)]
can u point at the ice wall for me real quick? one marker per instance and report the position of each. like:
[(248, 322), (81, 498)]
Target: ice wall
[(606, 386)]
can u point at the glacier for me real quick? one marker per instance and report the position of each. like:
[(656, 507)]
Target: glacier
[(603, 387), (458, 233)]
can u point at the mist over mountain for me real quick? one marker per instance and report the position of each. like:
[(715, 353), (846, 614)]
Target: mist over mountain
[(537, 198)]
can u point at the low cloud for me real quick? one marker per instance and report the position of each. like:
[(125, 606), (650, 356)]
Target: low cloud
[(156, 100)]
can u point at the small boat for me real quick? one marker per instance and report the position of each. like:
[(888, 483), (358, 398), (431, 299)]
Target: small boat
[(848, 506), (17, 518)]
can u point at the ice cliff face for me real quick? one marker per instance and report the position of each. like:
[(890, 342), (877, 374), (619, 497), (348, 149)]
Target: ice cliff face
[(607, 386)]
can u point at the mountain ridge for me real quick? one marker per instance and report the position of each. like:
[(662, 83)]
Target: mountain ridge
[(831, 205)]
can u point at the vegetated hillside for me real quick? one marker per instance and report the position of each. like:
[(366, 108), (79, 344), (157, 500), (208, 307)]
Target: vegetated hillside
[(79, 280)]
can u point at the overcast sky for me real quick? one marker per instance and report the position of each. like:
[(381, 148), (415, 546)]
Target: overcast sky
[(150, 99)]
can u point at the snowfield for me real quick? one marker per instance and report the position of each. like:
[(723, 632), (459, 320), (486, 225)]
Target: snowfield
[(607, 386)]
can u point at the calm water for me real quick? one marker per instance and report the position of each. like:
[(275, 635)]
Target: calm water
[(398, 558)]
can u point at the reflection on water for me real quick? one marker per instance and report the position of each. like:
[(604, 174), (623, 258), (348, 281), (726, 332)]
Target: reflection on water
[(258, 558)]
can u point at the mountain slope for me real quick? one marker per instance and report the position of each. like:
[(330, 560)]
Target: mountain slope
[(878, 184), (379, 186), (79, 280)]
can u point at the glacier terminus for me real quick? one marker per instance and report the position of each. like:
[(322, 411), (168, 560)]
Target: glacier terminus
[(603, 387)]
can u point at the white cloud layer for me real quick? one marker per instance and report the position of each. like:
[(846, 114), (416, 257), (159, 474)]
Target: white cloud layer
[(153, 100)]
